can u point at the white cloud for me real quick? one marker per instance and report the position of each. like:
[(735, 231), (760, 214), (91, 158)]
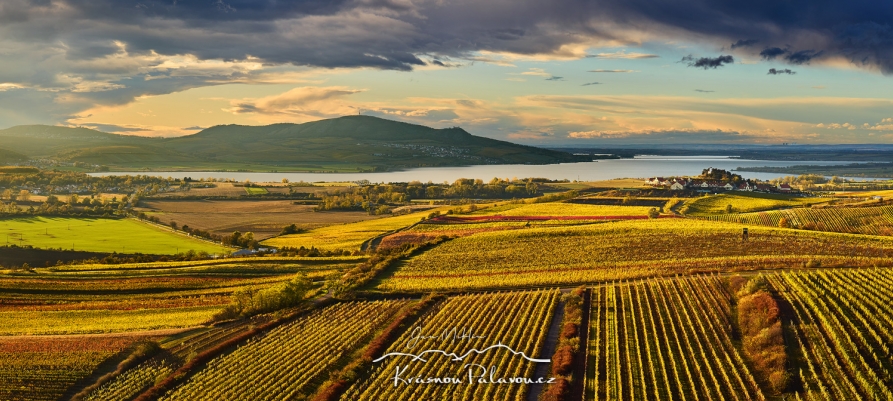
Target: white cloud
[(623, 55)]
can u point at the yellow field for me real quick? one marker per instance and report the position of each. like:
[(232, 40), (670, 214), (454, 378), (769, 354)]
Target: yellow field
[(14, 323), (346, 236), (744, 202)]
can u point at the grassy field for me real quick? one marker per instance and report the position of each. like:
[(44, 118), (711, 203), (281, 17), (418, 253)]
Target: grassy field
[(256, 191), (100, 235), (744, 202), (265, 218)]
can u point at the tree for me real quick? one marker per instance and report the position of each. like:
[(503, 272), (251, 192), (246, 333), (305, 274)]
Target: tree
[(653, 213), (291, 229), (24, 195), (729, 208), (783, 223), (173, 225)]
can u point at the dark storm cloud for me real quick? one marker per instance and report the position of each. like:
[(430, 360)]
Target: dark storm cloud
[(770, 53), (707, 62), (780, 71), (389, 34), (46, 44), (803, 56), (744, 43)]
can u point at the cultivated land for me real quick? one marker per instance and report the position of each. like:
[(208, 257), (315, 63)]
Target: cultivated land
[(100, 235), (744, 202), (263, 218), (603, 300)]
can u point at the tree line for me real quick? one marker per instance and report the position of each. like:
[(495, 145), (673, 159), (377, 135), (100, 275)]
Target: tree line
[(379, 198)]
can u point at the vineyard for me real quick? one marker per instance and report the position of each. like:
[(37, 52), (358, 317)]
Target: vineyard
[(744, 202), (856, 220), (102, 321), (563, 209), (666, 311), (36, 369), (519, 320), (131, 382), (135, 297), (665, 339), (843, 328), (291, 360), (345, 236), (624, 250)]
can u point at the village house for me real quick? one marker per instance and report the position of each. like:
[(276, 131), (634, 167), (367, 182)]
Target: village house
[(683, 183)]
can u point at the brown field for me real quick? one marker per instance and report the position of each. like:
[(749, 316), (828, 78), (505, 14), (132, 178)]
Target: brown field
[(264, 218)]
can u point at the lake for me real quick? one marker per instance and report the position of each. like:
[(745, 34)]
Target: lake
[(638, 167)]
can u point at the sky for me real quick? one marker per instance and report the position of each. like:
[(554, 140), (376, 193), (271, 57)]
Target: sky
[(549, 73)]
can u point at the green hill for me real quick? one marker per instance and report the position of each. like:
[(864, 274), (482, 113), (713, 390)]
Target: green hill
[(341, 144), (8, 156)]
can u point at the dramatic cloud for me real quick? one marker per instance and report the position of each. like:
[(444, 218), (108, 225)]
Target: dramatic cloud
[(803, 56), (300, 104), (707, 62), (771, 53), (744, 43), (780, 71), (63, 57)]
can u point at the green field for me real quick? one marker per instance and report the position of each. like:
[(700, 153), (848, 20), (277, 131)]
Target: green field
[(256, 191), (99, 235)]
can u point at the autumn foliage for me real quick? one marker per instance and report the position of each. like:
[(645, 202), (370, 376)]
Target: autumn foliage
[(763, 340)]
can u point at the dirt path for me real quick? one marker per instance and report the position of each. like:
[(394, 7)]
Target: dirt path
[(542, 369)]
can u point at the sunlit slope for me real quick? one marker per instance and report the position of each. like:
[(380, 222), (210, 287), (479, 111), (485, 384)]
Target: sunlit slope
[(744, 202), (626, 249)]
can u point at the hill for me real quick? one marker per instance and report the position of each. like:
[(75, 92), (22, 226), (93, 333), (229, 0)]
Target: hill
[(8, 156), (351, 143)]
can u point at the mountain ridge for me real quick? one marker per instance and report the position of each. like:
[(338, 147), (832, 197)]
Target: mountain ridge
[(349, 143)]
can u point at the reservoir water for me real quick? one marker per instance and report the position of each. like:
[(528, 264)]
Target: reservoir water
[(638, 167)]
